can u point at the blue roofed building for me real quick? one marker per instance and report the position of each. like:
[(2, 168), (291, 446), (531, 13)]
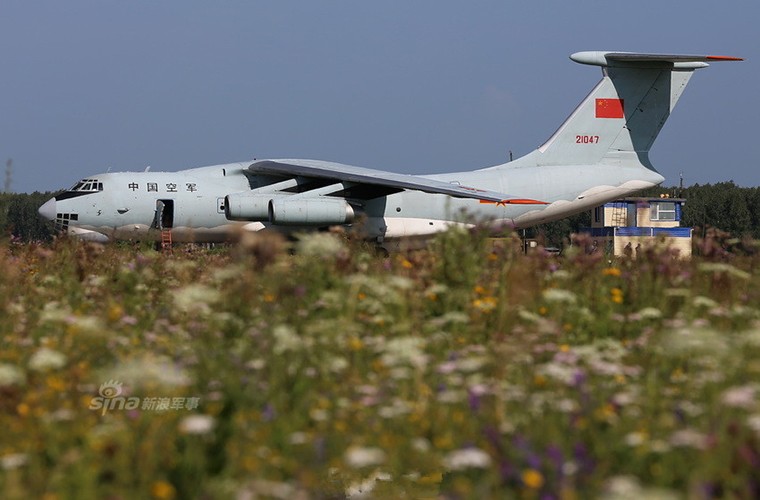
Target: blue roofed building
[(623, 227)]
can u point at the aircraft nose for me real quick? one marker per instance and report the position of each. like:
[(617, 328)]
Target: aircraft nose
[(47, 210)]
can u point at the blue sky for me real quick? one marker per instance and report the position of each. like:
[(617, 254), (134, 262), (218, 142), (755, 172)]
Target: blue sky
[(412, 87)]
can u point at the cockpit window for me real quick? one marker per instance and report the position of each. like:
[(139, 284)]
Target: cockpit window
[(87, 186)]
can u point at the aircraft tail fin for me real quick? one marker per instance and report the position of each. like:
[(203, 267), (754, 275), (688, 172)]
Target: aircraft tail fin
[(622, 116)]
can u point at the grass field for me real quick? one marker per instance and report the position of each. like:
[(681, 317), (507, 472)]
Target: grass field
[(467, 370)]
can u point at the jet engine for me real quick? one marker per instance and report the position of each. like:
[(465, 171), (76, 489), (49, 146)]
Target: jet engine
[(310, 211), (247, 206)]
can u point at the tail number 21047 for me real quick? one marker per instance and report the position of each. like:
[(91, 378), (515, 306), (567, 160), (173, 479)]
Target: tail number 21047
[(587, 139)]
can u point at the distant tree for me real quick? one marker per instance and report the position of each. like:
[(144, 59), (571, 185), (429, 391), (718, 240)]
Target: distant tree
[(19, 217)]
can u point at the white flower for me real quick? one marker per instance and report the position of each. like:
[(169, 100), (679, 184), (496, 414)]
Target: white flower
[(197, 424), (357, 457), (467, 458), (363, 489), (706, 302), (45, 359), (650, 313), (635, 438), (320, 245), (740, 397), (560, 296), (421, 444), (195, 298), (528, 316), (147, 371), (11, 375), (753, 421), (54, 312), (722, 267), (13, 461), (689, 438), (404, 351), (338, 364), (286, 339)]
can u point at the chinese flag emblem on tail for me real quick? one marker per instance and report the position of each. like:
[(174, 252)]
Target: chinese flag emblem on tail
[(609, 108)]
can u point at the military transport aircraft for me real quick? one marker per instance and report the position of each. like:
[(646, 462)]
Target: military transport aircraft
[(598, 154)]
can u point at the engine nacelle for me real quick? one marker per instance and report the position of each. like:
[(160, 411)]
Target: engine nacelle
[(310, 211), (247, 206)]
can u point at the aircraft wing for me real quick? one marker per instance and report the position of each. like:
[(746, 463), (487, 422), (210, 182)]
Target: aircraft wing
[(379, 178)]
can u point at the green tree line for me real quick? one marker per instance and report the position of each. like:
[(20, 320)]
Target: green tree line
[(724, 205), (19, 219)]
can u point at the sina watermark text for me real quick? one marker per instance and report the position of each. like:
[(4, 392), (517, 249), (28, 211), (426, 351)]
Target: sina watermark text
[(110, 398)]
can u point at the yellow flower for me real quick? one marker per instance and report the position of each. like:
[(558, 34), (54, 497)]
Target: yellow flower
[(611, 271), (23, 409), (355, 344), (532, 479), (115, 312), (616, 295), (406, 264), (432, 478), (162, 490)]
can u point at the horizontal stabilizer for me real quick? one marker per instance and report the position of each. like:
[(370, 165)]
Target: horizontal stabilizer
[(602, 58)]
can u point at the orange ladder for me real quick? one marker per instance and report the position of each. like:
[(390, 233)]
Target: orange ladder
[(166, 240)]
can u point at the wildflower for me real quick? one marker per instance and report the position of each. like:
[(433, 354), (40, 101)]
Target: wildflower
[(637, 438), (363, 489), (616, 295), (404, 350), (753, 421), (115, 312), (162, 490), (706, 302), (528, 316), (320, 245), (558, 295), (195, 298), (286, 339), (45, 359), (611, 271), (467, 458), (357, 457), (740, 397), (689, 438), (650, 313), (422, 445), (11, 375), (485, 304), (149, 370), (532, 479), (722, 267), (13, 461), (355, 344), (197, 424)]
